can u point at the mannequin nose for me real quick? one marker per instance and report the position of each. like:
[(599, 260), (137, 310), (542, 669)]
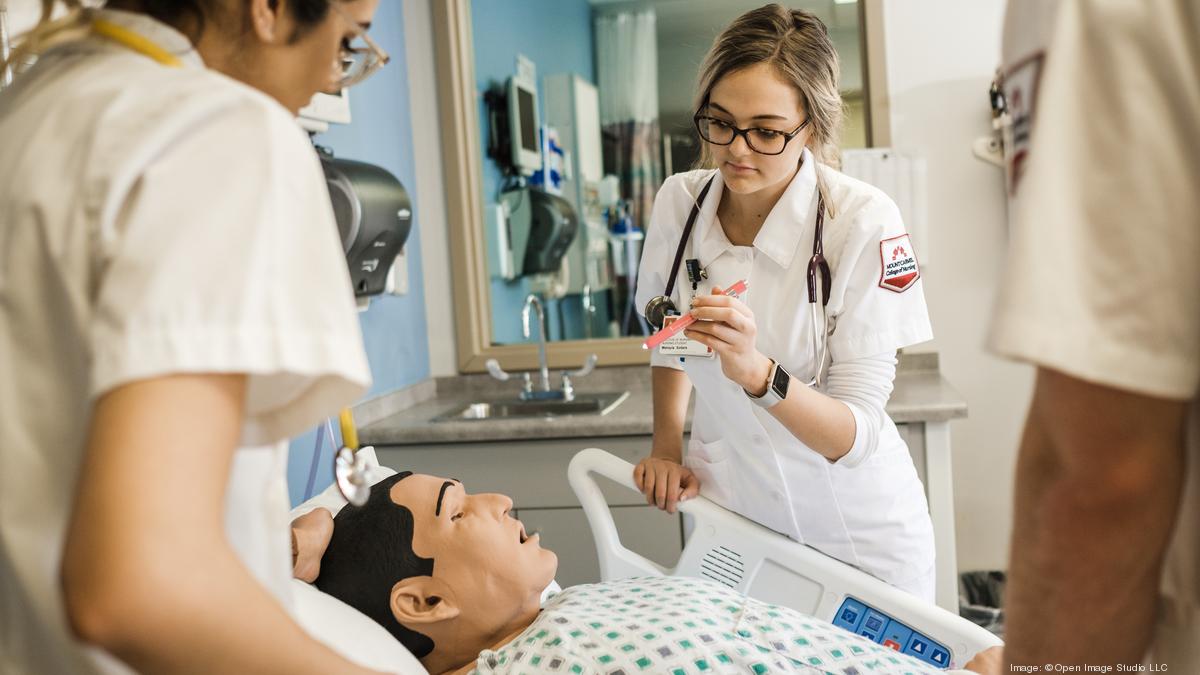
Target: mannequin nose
[(501, 504)]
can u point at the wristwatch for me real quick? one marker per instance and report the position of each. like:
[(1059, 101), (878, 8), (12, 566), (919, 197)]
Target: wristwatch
[(778, 380)]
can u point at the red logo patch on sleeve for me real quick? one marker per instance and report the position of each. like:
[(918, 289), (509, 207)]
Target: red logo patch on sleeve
[(899, 269)]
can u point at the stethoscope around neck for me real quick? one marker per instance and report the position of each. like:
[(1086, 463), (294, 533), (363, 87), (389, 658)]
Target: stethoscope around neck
[(661, 306)]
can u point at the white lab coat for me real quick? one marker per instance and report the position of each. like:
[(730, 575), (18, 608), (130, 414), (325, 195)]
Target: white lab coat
[(869, 508), (154, 220)]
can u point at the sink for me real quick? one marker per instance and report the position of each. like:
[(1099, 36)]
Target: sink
[(584, 404)]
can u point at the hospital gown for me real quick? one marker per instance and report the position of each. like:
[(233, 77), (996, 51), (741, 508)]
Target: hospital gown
[(683, 626)]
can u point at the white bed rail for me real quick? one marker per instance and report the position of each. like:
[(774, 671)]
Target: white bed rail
[(737, 552)]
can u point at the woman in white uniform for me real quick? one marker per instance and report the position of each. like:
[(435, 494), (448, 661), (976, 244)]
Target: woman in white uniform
[(789, 427), (173, 306)]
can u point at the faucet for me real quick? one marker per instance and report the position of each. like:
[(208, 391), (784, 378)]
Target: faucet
[(545, 393), (543, 367)]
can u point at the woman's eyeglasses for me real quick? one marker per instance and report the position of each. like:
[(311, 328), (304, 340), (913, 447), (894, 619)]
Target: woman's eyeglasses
[(359, 57), (762, 141)]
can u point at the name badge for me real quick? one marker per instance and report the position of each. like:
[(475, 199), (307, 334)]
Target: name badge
[(681, 345)]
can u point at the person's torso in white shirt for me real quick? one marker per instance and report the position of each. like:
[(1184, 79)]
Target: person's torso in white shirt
[(98, 139)]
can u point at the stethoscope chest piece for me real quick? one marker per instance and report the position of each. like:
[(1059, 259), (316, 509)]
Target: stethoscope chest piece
[(658, 309), (353, 476)]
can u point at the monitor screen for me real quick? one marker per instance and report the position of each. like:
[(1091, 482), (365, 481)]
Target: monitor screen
[(525, 103)]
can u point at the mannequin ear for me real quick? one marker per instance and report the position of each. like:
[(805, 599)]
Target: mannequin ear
[(422, 600), (266, 18)]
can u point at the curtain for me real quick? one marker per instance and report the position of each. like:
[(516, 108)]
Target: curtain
[(627, 70)]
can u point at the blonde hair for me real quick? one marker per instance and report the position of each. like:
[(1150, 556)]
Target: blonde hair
[(47, 32), (796, 43)]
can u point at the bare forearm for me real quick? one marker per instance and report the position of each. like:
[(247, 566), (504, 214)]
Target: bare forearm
[(147, 571), (167, 617), (672, 391), (822, 423), (1094, 511)]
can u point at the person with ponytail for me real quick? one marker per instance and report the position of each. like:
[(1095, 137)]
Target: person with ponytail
[(791, 378), (174, 305)]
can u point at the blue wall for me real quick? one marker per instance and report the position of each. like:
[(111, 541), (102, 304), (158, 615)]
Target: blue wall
[(394, 328), (557, 36)]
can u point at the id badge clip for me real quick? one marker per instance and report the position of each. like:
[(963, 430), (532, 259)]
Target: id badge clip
[(681, 345)]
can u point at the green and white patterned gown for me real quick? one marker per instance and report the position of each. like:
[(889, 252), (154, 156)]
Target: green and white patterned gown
[(684, 626)]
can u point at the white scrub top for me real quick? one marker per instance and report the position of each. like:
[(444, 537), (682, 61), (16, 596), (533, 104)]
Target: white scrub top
[(154, 220), (1102, 281), (867, 509)]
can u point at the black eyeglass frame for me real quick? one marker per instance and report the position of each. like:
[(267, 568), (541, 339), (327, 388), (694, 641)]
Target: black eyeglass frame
[(745, 133)]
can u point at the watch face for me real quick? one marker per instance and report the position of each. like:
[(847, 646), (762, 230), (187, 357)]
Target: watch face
[(779, 383)]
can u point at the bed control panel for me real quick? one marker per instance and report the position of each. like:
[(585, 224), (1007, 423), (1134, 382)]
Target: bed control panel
[(862, 619)]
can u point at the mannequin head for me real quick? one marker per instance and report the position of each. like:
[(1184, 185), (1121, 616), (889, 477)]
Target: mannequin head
[(447, 572)]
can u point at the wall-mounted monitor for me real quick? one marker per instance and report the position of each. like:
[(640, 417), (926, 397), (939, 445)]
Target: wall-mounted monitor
[(523, 124)]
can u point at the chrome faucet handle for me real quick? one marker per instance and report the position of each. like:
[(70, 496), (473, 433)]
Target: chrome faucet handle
[(588, 366), (494, 369)]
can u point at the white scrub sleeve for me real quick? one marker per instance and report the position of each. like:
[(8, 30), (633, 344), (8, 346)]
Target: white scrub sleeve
[(864, 385), (871, 319), (222, 256)]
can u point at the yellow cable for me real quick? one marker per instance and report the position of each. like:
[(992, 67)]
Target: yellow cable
[(136, 42), (349, 431)]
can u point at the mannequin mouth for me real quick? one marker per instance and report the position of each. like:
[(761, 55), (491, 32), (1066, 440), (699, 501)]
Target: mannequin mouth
[(521, 536)]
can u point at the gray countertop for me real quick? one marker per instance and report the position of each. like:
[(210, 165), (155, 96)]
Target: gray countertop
[(405, 417)]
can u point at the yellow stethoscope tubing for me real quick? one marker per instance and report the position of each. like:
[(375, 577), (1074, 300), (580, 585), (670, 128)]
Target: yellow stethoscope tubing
[(136, 42), (349, 430)]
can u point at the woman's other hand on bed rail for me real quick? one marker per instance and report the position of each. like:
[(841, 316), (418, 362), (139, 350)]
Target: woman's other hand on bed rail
[(310, 537), (665, 482)]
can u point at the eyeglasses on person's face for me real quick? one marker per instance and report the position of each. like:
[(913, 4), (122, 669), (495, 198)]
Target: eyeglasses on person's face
[(359, 56), (763, 141)]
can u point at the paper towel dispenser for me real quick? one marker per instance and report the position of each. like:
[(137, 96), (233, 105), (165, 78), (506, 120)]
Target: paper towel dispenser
[(374, 217), (529, 232)]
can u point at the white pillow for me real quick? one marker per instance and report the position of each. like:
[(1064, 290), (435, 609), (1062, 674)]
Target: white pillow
[(351, 633)]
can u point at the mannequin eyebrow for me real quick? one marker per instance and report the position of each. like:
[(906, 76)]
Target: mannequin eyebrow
[(442, 493), (756, 117)]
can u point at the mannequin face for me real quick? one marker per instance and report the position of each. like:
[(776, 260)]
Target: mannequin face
[(487, 574), (758, 97)]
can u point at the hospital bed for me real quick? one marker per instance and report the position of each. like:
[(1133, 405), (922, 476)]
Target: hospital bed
[(723, 547), (731, 550)]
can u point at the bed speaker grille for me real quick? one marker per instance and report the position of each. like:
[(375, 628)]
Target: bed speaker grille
[(722, 565)]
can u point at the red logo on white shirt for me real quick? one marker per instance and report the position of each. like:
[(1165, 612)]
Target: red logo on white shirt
[(899, 264)]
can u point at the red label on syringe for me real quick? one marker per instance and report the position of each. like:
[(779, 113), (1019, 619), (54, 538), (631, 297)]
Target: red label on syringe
[(686, 320)]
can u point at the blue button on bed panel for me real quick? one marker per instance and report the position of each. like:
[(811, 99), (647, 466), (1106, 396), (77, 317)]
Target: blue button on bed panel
[(849, 615), (924, 649), (873, 624), (919, 646)]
